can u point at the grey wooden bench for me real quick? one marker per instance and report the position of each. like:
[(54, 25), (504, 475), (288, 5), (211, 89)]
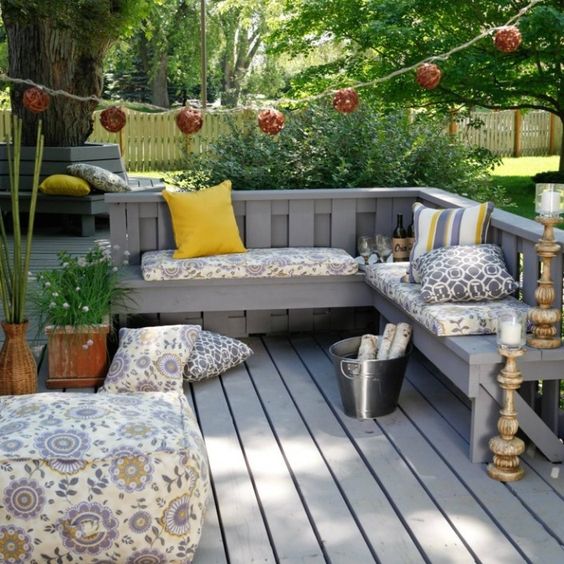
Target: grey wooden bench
[(141, 222), (86, 207)]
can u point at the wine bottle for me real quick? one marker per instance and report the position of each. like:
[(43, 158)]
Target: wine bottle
[(399, 241), (410, 236)]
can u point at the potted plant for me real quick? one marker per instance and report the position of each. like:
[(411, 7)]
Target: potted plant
[(74, 303), (18, 370)]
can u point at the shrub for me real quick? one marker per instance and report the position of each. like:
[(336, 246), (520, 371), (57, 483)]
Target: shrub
[(550, 176), (321, 148)]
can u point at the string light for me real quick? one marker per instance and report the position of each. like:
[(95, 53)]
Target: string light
[(292, 101)]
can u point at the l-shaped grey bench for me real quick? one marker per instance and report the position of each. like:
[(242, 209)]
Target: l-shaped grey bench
[(335, 218)]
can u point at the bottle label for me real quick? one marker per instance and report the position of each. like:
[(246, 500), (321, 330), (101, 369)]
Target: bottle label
[(410, 243), (400, 250)]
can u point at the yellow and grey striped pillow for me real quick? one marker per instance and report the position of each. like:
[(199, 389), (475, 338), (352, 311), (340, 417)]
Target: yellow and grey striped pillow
[(447, 227)]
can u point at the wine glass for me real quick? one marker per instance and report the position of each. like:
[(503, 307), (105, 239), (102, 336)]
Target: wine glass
[(383, 247), (364, 245)]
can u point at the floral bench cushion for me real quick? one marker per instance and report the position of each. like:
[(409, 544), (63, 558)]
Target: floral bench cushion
[(476, 318), (256, 263), (100, 477)]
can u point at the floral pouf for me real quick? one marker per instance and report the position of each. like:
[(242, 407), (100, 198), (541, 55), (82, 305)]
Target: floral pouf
[(100, 478)]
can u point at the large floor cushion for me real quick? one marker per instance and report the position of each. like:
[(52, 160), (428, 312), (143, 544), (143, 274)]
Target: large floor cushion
[(256, 263), (100, 478), (475, 318)]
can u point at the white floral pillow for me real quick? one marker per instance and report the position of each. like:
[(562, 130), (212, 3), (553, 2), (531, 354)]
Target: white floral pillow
[(99, 178), (151, 359), (214, 354)]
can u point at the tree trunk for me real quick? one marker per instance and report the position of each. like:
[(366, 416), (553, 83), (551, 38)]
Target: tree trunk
[(53, 57), (160, 82)]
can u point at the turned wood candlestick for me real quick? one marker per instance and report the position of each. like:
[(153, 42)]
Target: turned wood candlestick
[(507, 447), (544, 317)]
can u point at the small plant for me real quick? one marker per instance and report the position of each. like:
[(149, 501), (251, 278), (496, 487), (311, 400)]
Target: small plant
[(81, 291), (15, 257)]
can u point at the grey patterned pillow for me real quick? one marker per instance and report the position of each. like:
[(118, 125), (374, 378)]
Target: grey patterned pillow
[(99, 178), (464, 274), (213, 354)]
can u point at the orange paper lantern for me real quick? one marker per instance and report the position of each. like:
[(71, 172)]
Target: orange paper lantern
[(189, 120), (36, 100), (428, 75), (271, 121), (113, 119), (507, 39), (346, 100)]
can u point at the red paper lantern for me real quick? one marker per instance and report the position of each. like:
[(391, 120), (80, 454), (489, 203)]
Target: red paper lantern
[(428, 75), (113, 119), (507, 39), (189, 120), (346, 100), (271, 121), (36, 100)]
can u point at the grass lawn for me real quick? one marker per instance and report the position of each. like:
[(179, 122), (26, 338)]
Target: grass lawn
[(515, 176)]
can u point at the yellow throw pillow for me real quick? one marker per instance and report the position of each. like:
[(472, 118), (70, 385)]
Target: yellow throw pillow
[(64, 185), (204, 222)]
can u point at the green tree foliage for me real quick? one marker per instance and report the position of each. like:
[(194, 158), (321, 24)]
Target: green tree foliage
[(320, 148), (380, 36), (62, 45)]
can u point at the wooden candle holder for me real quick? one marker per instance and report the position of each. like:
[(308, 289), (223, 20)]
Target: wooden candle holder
[(544, 317), (507, 447)]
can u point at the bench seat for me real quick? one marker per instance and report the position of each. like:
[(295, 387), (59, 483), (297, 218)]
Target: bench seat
[(465, 318), (471, 362), (256, 263)]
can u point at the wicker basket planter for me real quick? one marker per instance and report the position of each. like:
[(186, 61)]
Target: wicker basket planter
[(18, 370), (77, 356)]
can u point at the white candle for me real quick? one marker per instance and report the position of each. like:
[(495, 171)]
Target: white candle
[(550, 201), (510, 333)]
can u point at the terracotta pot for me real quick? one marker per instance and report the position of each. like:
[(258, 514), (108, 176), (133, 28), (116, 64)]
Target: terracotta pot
[(77, 356), (18, 370)]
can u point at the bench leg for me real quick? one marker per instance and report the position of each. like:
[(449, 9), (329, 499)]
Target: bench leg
[(485, 412), (87, 225)]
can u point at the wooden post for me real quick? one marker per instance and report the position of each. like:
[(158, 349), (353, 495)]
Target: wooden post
[(452, 124), (551, 134), (203, 55), (517, 127)]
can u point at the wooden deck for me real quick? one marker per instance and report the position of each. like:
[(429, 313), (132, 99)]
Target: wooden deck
[(295, 480)]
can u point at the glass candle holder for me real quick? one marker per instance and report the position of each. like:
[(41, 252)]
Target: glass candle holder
[(549, 200), (512, 329)]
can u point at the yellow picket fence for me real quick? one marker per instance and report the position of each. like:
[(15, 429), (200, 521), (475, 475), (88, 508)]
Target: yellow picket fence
[(153, 142)]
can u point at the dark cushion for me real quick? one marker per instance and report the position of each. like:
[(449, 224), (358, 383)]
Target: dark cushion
[(464, 274)]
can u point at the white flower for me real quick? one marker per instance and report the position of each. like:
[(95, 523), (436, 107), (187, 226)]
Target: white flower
[(126, 253), (90, 342), (55, 294), (85, 347), (47, 284), (52, 304), (65, 265), (66, 306), (115, 269), (81, 261), (85, 309), (77, 289), (125, 262)]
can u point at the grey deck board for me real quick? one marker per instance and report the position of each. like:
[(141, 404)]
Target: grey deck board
[(245, 534), (336, 525), (373, 511), (527, 530), (289, 525), (434, 532)]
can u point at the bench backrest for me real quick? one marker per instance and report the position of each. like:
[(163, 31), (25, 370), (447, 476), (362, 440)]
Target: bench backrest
[(270, 218), (140, 222)]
